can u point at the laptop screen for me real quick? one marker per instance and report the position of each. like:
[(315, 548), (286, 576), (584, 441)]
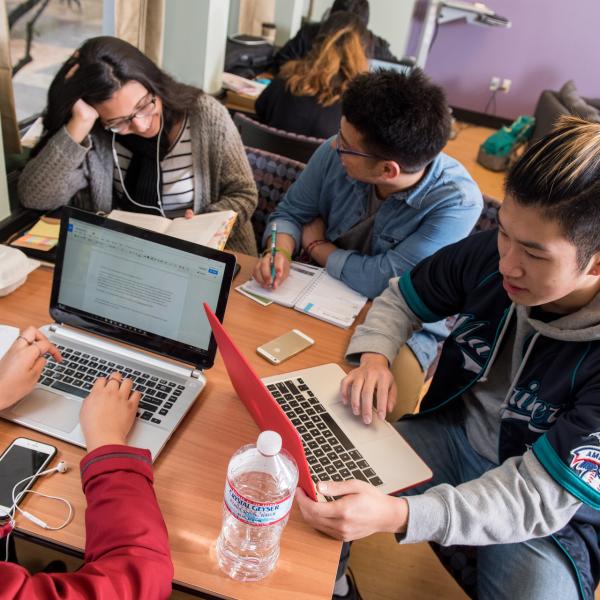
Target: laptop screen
[(383, 65), (138, 286)]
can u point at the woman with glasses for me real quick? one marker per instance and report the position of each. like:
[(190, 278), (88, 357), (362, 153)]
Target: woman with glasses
[(121, 133), (306, 96)]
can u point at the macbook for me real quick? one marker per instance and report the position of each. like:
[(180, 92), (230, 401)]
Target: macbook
[(127, 299), (326, 439)]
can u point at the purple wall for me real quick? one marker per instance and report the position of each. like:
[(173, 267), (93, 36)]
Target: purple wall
[(550, 42)]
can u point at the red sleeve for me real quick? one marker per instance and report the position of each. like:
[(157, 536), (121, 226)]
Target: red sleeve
[(127, 549)]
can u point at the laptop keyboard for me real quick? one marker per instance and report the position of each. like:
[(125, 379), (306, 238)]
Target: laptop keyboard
[(329, 452), (79, 370)]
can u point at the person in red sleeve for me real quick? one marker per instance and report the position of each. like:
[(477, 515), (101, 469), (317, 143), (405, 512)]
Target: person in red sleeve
[(127, 549)]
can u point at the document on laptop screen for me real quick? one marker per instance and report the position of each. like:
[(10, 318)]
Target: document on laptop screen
[(141, 284)]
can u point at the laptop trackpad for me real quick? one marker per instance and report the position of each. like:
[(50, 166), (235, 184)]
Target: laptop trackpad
[(354, 427), (49, 409)]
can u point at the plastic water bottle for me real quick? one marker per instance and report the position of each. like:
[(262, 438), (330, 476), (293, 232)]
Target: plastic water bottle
[(259, 491)]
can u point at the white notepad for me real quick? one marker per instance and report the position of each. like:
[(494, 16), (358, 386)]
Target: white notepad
[(313, 291)]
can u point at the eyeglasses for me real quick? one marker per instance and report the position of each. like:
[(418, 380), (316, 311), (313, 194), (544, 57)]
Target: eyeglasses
[(143, 112), (350, 152)]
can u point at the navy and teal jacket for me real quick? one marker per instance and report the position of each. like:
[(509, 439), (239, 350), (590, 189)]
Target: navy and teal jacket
[(554, 403)]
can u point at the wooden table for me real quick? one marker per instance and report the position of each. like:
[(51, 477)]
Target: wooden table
[(190, 471)]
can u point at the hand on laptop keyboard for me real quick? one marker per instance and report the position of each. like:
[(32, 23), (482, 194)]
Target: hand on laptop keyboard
[(108, 413), (79, 369), (22, 364), (330, 454), (369, 386)]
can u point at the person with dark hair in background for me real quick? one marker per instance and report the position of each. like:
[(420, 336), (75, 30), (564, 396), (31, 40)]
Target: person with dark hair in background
[(379, 197), (306, 96), (510, 425), (121, 133), (303, 42), (127, 553)]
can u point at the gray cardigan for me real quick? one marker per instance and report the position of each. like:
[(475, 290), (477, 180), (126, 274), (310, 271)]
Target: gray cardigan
[(82, 174)]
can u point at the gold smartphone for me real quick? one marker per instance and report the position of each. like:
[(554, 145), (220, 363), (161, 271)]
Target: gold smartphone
[(285, 346)]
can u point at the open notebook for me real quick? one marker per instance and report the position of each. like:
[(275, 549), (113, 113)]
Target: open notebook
[(313, 291), (208, 229)]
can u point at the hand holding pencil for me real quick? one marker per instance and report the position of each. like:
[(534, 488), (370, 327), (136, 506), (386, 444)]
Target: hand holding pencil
[(274, 266)]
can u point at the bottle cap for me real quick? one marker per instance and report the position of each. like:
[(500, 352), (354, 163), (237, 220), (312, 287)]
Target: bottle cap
[(269, 443)]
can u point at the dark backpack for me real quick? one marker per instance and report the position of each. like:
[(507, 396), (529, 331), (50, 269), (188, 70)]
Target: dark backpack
[(248, 59)]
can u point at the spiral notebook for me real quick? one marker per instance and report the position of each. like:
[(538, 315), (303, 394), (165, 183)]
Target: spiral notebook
[(313, 291)]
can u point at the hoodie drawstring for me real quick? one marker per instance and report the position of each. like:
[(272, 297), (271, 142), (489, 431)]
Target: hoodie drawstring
[(521, 367)]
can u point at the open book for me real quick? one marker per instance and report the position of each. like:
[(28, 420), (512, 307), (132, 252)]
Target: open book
[(208, 229), (313, 291)]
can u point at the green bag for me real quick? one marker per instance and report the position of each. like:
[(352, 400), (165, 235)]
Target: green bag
[(496, 151)]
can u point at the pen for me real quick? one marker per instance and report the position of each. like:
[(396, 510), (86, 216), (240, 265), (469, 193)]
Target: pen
[(273, 243)]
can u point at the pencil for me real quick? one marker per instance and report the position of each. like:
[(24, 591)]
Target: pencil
[(273, 250)]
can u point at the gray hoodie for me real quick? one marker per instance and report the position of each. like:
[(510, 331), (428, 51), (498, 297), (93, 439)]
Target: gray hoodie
[(518, 500)]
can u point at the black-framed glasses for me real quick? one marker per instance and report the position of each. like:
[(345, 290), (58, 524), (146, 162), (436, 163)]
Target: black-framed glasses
[(340, 150), (143, 112)]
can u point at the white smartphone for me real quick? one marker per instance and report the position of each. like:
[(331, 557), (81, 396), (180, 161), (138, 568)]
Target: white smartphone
[(285, 346), (21, 459)]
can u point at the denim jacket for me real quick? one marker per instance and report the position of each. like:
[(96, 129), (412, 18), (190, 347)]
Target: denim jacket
[(410, 225)]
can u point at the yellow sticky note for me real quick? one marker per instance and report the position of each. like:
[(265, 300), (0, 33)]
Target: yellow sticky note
[(46, 230)]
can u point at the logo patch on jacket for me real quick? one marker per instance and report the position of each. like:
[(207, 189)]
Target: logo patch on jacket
[(585, 462), (525, 404), (475, 350)]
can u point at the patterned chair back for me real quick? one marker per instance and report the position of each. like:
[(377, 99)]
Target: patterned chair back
[(273, 175), (489, 215), (257, 135)]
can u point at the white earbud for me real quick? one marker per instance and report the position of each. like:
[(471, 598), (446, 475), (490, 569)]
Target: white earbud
[(61, 467)]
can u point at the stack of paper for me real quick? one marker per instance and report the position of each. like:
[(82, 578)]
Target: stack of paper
[(243, 86)]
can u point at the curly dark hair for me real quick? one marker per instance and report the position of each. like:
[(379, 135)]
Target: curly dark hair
[(359, 7), (402, 117), (104, 65)]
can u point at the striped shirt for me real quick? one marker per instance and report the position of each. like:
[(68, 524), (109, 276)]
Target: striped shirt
[(176, 170)]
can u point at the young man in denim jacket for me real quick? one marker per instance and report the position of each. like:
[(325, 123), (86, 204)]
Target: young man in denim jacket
[(380, 197)]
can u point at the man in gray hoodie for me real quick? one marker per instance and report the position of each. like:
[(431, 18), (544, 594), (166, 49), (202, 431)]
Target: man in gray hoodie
[(511, 423)]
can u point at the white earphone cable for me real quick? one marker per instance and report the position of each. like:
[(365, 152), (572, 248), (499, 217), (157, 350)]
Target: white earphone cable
[(158, 208), (158, 194), (39, 522), (15, 507)]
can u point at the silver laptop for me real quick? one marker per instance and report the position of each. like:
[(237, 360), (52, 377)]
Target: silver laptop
[(122, 295), (337, 444), (404, 68), (325, 438)]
